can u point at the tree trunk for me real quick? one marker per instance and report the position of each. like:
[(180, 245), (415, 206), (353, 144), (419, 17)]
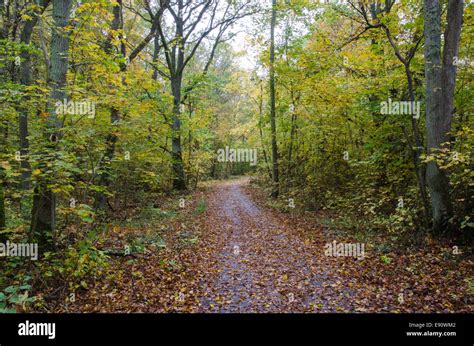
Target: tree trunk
[(420, 168), (179, 181), (275, 173), (110, 142), (25, 80), (440, 81), (111, 139), (452, 37), (3, 221), (260, 130), (43, 220), (3, 35)]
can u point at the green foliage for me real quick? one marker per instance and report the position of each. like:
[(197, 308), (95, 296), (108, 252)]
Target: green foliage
[(385, 259), (16, 297), (337, 152), (80, 263), (201, 207)]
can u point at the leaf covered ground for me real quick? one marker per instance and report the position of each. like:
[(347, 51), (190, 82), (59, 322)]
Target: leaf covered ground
[(226, 251)]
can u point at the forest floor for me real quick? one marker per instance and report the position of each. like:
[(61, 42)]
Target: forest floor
[(227, 251)]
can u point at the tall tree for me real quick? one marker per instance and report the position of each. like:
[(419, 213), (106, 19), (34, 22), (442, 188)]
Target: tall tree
[(2, 171), (6, 18), (3, 220), (111, 139), (275, 172), (372, 13), (193, 22), (115, 116), (440, 84), (25, 80), (43, 220)]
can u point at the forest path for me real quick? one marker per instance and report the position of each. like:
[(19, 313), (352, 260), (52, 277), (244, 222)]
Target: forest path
[(262, 264), (239, 256)]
